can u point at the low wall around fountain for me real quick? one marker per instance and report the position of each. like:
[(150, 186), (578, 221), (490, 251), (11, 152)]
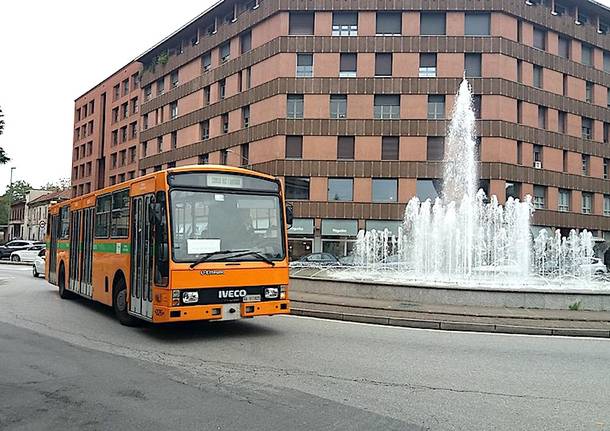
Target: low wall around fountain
[(552, 299)]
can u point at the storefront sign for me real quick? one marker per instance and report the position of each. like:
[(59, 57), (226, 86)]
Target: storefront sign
[(339, 227), (301, 226)]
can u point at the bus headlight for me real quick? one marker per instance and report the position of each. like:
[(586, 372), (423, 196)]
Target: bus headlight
[(190, 297), (175, 298), (271, 292), (283, 292)]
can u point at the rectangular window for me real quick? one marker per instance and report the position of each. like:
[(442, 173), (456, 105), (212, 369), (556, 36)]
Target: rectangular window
[(436, 107), (224, 157), (435, 148), (539, 197), (542, 117), (428, 189), (297, 188), (347, 65), (476, 105), (389, 147), (204, 159), (606, 205), (472, 65), (563, 203), (587, 55), (301, 23), (383, 64), (206, 95), (245, 42), (512, 190), (519, 152), (605, 169), (248, 73), (222, 89), (519, 71), (294, 106), (537, 155), (244, 150), (340, 189), (120, 214), (206, 61), (174, 79), (148, 92), (477, 24), (562, 122), (115, 137), (388, 23), (606, 62), (345, 24), (564, 85), (160, 144), (115, 114), (124, 110), (564, 165), (587, 128), (539, 38), (123, 134), (102, 216), (608, 98), (145, 122), (174, 140), (427, 65), (585, 164), (160, 86), (606, 133), (91, 106), (338, 106), (134, 105), (387, 107), (245, 116), (304, 65), (116, 91), (432, 24), (225, 51), (589, 93), (564, 47), (225, 122), (294, 147), (537, 76), (385, 190), (173, 109), (587, 203), (204, 126), (345, 147)]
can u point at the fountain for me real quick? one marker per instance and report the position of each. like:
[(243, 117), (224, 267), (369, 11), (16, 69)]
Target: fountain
[(464, 238)]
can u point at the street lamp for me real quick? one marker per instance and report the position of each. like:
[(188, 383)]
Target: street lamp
[(247, 164), (10, 198)]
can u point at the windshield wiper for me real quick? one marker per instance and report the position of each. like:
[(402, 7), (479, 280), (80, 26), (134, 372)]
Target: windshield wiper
[(247, 253), (206, 256)]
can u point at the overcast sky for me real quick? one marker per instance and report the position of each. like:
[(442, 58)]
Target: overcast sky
[(53, 52)]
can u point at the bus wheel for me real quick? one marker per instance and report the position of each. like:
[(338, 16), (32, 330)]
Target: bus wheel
[(63, 292), (119, 303)]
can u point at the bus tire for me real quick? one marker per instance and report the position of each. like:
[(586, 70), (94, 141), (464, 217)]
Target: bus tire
[(119, 303), (61, 282)]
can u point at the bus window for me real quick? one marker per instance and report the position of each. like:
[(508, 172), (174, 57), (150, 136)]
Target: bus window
[(120, 214), (102, 216), (161, 245), (64, 216)]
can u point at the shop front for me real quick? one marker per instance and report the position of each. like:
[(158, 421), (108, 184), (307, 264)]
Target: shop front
[(300, 238), (380, 225), (338, 236)]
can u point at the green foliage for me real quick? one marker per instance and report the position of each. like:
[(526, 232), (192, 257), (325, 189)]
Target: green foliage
[(58, 185), (3, 157), (12, 194), (163, 58), (576, 306)]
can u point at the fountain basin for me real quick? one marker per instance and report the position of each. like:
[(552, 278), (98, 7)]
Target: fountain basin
[(594, 296)]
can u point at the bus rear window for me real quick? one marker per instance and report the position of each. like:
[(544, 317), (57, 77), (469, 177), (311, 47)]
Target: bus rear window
[(221, 180)]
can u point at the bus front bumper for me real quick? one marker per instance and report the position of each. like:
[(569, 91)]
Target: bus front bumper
[(220, 312)]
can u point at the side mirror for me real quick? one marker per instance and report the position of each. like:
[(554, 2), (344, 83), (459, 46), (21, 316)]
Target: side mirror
[(289, 214)]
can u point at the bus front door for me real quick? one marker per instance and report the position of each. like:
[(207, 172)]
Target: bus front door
[(141, 257)]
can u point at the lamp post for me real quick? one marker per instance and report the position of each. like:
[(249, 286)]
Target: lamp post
[(247, 164), (10, 198)]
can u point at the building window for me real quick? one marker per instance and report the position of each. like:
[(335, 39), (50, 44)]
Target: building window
[(385, 190), (564, 166), (347, 65), (160, 144), (304, 65), (605, 171), (132, 154), (436, 106), (587, 55), (345, 147), (148, 92), (144, 149), (389, 148), (519, 71), (225, 51), (248, 73), (244, 150), (606, 133), (542, 117), (115, 137), (388, 23), (301, 23), (115, 114), (563, 204), (206, 61), (537, 156), (477, 24), (512, 190), (539, 197), (225, 122), (435, 148), (519, 152), (472, 65), (537, 76), (564, 47), (135, 81), (134, 105), (222, 89), (562, 122), (606, 205), (383, 64), (338, 106), (587, 203), (539, 38), (174, 79), (160, 86), (428, 189), (345, 24), (585, 164), (174, 140), (427, 65), (204, 126), (294, 147), (387, 107), (78, 114), (123, 134), (173, 109), (224, 157), (245, 116), (606, 62), (432, 24), (476, 105), (589, 93), (297, 188), (587, 128), (91, 107), (245, 42), (294, 108), (113, 160), (206, 95), (133, 130), (340, 189), (116, 91), (204, 159), (145, 122)]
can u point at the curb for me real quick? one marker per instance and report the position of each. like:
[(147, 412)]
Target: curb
[(8, 262), (451, 326)]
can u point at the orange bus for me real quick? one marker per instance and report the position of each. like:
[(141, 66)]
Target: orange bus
[(190, 243)]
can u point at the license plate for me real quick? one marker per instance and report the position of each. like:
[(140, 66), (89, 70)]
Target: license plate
[(231, 312), (252, 298)]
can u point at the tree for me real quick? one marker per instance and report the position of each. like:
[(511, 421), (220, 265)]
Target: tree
[(3, 157), (13, 193), (58, 185)]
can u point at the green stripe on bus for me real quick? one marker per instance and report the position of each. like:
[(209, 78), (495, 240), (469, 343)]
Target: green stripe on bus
[(111, 247), (63, 245)]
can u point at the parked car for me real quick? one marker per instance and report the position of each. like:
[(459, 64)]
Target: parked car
[(593, 266), (39, 263), (16, 245), (317, 259), (28, 254)]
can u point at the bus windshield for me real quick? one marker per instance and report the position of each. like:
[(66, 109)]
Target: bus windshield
[(210, 221)]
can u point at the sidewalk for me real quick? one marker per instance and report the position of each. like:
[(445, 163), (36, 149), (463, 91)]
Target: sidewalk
[(457, 318)]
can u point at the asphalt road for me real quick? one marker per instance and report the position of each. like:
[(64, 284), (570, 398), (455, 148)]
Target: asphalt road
[(70, 365)]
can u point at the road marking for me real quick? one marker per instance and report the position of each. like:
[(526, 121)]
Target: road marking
[(347, 322)]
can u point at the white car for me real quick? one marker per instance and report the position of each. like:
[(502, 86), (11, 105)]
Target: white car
[(27, 255), (39, 264), (593, 266)]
